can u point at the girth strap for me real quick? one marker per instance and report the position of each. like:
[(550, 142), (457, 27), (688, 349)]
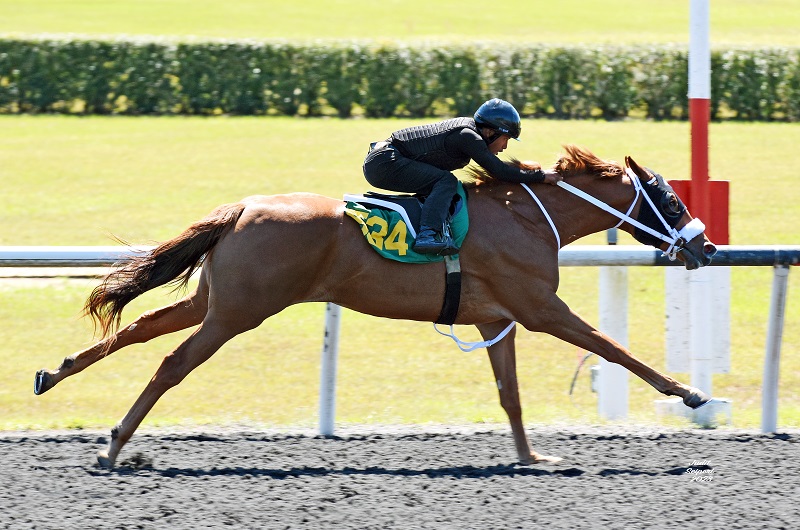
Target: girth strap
[(452, 292), (452, 297)]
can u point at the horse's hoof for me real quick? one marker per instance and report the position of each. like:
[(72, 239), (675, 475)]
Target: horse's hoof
[(42, 382), (536, 458), (104, 460), (545, 459), (696, 399)]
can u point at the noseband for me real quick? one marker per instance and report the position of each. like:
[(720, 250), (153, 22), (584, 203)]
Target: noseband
[(677, 239)]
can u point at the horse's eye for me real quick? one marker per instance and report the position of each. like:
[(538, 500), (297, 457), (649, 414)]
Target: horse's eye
[(671, 203)]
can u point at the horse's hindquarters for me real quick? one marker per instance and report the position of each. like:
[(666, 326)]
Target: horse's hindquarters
[(298, 248)]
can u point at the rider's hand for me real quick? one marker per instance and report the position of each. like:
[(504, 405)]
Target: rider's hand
[(552, 177)]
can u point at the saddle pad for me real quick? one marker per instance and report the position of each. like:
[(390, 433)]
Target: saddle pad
[(390, 229)]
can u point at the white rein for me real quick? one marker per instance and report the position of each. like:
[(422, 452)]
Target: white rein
[(693, 228)]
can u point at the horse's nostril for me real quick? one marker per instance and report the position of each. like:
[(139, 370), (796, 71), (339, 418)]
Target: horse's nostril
[(709, 249)]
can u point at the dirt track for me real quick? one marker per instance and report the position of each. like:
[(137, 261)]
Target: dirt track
[(403, 478)]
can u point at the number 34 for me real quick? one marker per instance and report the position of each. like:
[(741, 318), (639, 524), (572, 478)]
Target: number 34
[(396, 240)]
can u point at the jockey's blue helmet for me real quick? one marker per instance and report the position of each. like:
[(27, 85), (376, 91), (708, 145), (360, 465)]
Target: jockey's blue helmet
[(499, 115)]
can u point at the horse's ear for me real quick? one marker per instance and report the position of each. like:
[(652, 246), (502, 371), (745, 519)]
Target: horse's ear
[(639, 170)]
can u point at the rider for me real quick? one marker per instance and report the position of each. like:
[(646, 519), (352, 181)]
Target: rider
[(420, 160)]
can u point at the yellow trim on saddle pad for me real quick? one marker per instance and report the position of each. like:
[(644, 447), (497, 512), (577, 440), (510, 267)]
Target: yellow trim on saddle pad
[(387, 232)]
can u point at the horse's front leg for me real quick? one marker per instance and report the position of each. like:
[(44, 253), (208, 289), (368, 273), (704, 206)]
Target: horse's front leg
[(560, 321), (504, 365)]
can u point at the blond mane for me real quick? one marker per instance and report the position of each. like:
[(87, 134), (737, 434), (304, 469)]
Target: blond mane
[(575, 160)]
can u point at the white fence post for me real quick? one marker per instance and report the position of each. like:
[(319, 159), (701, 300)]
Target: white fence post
[(612, 391), (772, 356), (702, 340), (698, 336), (330, 354)]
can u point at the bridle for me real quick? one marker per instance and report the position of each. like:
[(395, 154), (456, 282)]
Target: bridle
[(677, 239)]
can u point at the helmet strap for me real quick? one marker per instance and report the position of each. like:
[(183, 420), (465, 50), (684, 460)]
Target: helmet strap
[(490, 140)]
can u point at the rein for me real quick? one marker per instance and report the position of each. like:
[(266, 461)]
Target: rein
[(470, 346), (676, 238)]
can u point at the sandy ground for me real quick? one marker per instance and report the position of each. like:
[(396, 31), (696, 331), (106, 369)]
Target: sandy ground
[(403, 478)]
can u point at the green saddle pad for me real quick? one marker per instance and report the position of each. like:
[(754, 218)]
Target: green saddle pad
[(387, 230)]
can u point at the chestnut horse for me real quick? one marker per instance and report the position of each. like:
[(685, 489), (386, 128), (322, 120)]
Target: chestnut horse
[(265, 253)]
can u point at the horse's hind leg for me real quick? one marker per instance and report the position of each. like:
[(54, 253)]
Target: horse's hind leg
[(194, 351), (504, 365), (181, 315)]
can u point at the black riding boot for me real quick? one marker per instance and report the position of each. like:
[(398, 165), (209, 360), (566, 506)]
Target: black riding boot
[(434, 233), (431, 241)]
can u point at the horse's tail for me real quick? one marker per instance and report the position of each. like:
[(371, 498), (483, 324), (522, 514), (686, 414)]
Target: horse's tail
[(173, 261)]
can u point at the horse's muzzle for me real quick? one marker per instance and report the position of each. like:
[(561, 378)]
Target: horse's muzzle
[(694, 257), (709, 250)]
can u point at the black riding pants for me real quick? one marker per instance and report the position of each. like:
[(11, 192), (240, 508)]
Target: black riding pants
[(386, 168)]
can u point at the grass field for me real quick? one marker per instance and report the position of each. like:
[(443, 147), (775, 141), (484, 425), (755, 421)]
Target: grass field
[(145, 179), (739, 22), (74, 181)]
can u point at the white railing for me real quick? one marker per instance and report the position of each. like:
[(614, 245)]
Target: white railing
[(572, 256), (778, 257)]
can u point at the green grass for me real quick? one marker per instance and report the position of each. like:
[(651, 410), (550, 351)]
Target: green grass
[(389, 372), (74, 181), (761, 22), (144, 179), (70, 180)]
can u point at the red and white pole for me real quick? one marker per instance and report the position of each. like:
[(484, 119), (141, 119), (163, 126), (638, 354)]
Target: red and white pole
[(699, 105), (700, 281)]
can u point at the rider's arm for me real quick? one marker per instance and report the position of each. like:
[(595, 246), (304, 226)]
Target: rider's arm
[(471, 143)]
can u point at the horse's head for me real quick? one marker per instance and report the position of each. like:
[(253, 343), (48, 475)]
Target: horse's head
[(662, 211)]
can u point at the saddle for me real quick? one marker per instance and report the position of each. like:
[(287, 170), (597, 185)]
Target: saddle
[(390, 223)]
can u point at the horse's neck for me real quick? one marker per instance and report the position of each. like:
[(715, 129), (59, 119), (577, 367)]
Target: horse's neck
[(504, 204), (575, 217)]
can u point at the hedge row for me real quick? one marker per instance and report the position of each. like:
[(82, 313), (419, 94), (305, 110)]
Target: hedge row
[(380, 80)]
